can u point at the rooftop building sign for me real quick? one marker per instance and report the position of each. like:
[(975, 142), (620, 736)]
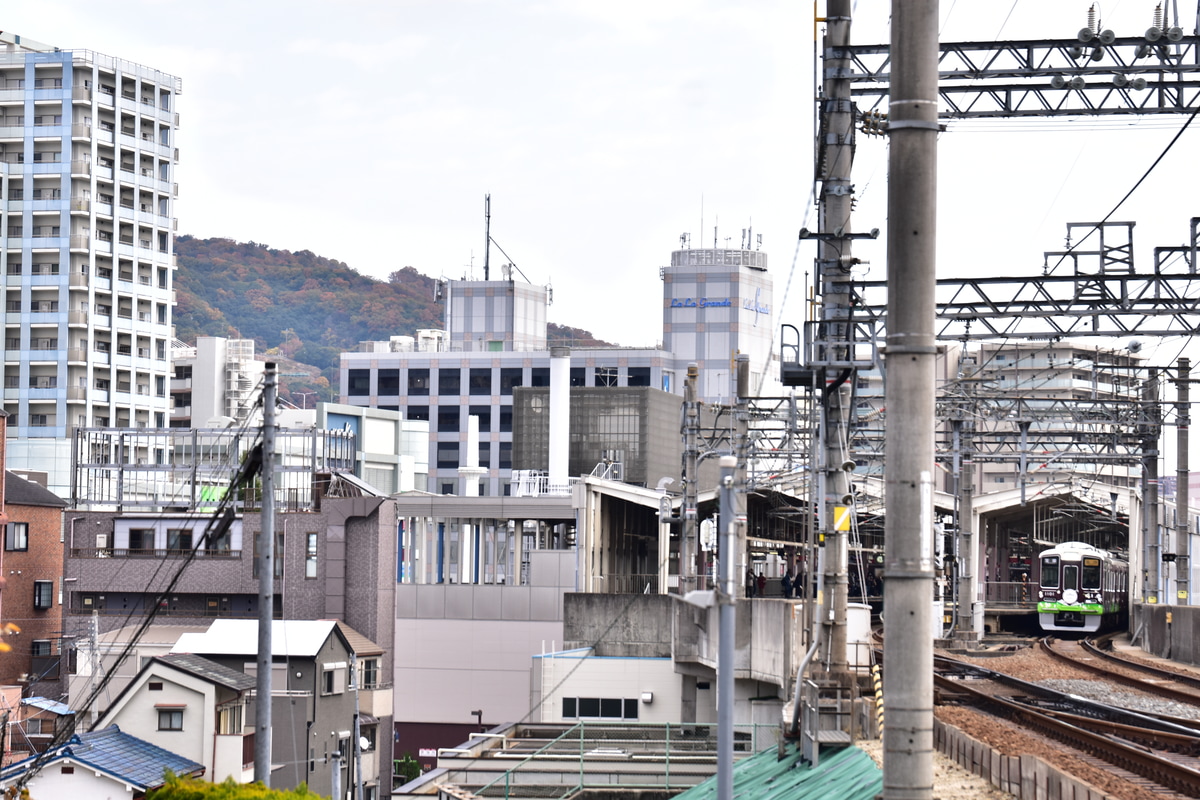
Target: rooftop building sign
[(719, 258)]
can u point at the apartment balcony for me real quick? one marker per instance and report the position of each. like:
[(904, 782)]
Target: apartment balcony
[(78, 280), (81, 94), (12, 132), (76, 394), (77, 354), (79, 131), (77, 318), (80, 205)]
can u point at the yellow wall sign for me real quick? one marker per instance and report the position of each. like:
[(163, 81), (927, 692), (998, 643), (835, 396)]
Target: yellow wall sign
[(841, 518)]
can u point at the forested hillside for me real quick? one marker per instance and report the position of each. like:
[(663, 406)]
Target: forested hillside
[(300, 305)]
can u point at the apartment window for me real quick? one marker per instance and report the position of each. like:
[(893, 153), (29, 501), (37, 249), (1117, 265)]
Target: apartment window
[(16, 536), (368, 672), (510, 378), (485, 455), (600, 708), (481, 380), (41, 649), (43, 594), (447, 455), (639, 376), (418, 381), (310, 556), (449, 381), (183, 373), (170, 719), (448, 419), (485, 417), (359, 383), (389, 381)]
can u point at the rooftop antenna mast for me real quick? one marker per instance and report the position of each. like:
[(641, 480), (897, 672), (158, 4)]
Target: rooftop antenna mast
[(487, 234)]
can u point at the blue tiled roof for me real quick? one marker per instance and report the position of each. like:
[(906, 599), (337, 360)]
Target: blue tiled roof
[(127, 758)]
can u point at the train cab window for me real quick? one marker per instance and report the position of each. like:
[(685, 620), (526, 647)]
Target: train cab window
[(1091, 573), (1050, 574), (1071, 576)]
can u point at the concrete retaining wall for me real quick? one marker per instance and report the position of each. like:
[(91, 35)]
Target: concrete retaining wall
[(1026, 777)]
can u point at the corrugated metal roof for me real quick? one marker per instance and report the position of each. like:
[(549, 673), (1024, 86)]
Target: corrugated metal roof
[(46, 704), (239, 637), (843, 774)]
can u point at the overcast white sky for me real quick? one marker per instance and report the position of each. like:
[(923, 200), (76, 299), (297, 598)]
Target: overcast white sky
[(370, 130)]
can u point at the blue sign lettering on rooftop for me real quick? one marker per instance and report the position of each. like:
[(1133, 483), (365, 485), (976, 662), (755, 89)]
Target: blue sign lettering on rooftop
[(702, 302)]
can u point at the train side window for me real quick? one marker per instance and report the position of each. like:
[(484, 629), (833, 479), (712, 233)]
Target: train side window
[(1091, 573), (1050, 572)]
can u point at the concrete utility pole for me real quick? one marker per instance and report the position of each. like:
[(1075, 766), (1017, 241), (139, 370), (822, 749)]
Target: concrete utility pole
[(266, 585), (909, 440), (835, 261), (727, 596), (1153, 550), (691, 575), (1183, 526)]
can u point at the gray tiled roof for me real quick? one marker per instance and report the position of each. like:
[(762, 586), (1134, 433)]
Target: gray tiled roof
[(20, 492), (202, 667)]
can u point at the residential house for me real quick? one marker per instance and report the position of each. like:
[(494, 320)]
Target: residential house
[(194, 707), (316, 702), (102, 763)]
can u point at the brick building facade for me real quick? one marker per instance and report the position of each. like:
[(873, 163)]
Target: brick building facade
[(31, 563)]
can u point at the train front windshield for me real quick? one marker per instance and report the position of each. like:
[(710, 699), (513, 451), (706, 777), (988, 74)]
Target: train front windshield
[(1050, 576), (1091, 573)]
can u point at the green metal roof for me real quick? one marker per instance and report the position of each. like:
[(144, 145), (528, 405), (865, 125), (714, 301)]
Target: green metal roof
[(843, 774)]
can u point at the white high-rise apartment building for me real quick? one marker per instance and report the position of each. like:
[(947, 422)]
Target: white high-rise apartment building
[(87, 192)]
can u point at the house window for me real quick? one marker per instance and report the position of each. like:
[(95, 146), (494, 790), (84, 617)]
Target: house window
[(40, 648), (141, 539), (43, 594), (170, 719), (368, 669), (310, 556), (229, 720), (368, 732), (38, 727), (179, 540), (333, 678), (16, 536), (359, 384)]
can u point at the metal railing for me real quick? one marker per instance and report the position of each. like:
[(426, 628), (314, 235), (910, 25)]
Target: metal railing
[(688, 749)]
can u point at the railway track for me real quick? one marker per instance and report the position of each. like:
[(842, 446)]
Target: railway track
[(1148, 754), (1090, 655)]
